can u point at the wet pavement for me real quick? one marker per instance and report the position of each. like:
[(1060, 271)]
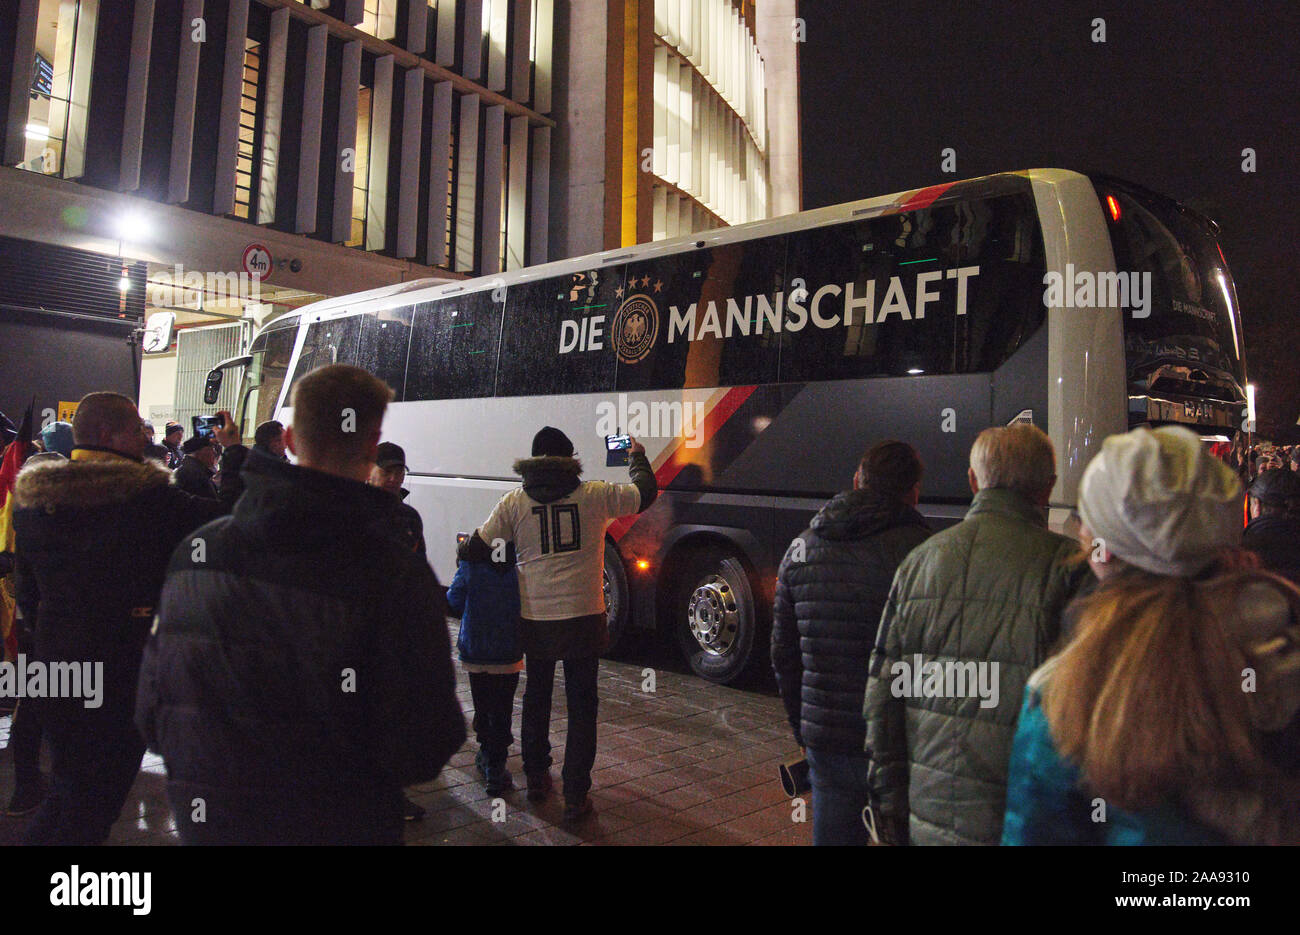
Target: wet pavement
[(689, 763)]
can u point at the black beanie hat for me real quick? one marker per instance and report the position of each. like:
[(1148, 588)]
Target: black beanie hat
[(552, 442), (196, 443)]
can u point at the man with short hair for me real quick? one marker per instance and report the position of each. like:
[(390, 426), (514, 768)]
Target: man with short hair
[(972, 612), (269, 439), (300, 674), (1273, 532), (195, 475), (387, 474), (93, 537), (830, 590), (172, 435)]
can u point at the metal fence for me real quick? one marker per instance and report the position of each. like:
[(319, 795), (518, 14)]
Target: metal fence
[(198, 350)]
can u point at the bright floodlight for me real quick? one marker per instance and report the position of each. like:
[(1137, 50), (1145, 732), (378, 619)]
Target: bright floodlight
[(124, 283), (132, 226)]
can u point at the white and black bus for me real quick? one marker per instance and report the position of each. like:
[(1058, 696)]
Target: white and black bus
[(757, 363)]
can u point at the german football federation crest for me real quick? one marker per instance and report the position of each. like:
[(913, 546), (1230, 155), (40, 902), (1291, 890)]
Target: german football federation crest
[(635, 328)]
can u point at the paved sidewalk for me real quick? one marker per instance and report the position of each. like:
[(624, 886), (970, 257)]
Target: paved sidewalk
[(690, 763)]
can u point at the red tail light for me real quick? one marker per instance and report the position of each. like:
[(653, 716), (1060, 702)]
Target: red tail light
[(1114, 207)]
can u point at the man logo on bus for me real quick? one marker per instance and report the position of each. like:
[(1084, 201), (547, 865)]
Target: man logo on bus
[(635, 328)]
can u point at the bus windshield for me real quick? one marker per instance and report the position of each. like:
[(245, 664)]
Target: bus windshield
[(1190, 339), (265, 373)]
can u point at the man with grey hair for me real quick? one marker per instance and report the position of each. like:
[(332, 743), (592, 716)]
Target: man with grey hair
[(972, 612)]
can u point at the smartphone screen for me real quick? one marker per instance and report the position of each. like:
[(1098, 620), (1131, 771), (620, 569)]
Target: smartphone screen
[(616, 450), (203, 425)]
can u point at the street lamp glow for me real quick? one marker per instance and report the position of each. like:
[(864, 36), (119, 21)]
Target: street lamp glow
[(133, 226), (1250, 405), (124, 283)]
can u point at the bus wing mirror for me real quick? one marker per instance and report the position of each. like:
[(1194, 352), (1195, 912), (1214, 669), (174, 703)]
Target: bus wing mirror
[(212, 388), (158, 332)]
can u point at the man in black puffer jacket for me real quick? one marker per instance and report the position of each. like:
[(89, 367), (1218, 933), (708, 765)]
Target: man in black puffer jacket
[(93, 537), (300, 671), (831, 588)]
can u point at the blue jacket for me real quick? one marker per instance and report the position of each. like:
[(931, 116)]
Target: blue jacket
[(1046, 803), (485, 596)]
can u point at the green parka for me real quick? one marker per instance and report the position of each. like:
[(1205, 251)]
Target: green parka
[(940, 717)]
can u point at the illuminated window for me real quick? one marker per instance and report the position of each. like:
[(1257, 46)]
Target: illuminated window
[(379, 19), (60, 93), (361, 170), (246, 155)]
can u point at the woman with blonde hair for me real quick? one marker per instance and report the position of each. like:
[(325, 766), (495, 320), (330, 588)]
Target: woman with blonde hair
[(1170, 716)]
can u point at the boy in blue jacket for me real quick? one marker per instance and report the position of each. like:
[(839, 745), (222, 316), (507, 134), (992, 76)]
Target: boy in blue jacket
[(484, 594)]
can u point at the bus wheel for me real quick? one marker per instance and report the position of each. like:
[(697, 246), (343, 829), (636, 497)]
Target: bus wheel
[(617, 603), (715, 617)]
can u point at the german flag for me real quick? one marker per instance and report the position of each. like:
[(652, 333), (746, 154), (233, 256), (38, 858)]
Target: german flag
[(14, 456)]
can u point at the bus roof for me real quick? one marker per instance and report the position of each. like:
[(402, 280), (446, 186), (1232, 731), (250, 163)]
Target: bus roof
[(426, 290)]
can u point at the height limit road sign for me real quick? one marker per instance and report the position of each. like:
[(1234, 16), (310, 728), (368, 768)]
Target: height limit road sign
[(257, 261)]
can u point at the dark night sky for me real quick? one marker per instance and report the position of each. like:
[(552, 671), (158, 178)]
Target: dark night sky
[(1169, 101)]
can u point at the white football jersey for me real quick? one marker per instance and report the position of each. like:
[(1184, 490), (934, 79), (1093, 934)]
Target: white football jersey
[(560, 546)]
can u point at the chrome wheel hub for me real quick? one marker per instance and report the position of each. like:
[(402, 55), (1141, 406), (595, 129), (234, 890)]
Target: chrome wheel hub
[(714, 616)]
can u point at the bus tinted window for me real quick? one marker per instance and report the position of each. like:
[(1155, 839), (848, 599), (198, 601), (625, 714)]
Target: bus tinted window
[(271, 353), (385, 338), (709, 295), (556, 335), (328, 342), (1191, 319), (454, 348), (954, 288)]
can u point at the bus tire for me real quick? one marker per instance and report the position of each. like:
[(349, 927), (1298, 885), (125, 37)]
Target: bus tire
[(715, 616), (618, 609)]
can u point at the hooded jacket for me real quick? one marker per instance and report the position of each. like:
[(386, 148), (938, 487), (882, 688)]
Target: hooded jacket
[(989, 590), (1048, 802), (485, 596), (557, 523), (831, 588), (300, 672), (93, 538)]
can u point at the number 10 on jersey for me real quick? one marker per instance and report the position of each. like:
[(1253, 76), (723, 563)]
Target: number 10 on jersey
[(557, 533)]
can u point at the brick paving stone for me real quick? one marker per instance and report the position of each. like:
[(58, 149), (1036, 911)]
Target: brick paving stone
[(692, 763)]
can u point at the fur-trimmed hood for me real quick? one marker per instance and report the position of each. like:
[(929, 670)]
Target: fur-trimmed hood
[(85, 484), (549, 477)]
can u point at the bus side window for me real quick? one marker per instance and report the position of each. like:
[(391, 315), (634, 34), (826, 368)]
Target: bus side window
[(385, 339), (454, 348), (557, 335)]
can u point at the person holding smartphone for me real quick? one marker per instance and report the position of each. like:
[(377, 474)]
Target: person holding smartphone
[(557, 523)]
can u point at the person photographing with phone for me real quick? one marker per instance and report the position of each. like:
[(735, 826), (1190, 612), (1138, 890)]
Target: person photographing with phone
[(557, 524)]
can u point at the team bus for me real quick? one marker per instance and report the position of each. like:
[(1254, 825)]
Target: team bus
[(757, 363)]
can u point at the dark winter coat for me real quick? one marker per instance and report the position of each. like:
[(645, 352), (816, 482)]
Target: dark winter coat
[(300, 674), (410, 528), (195, 478), (93, 538), (232, 482), (991, 589), (1275, 538), (831, 588), (485, 596)]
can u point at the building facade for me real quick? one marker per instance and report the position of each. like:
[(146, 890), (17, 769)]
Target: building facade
[(674, 116)]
